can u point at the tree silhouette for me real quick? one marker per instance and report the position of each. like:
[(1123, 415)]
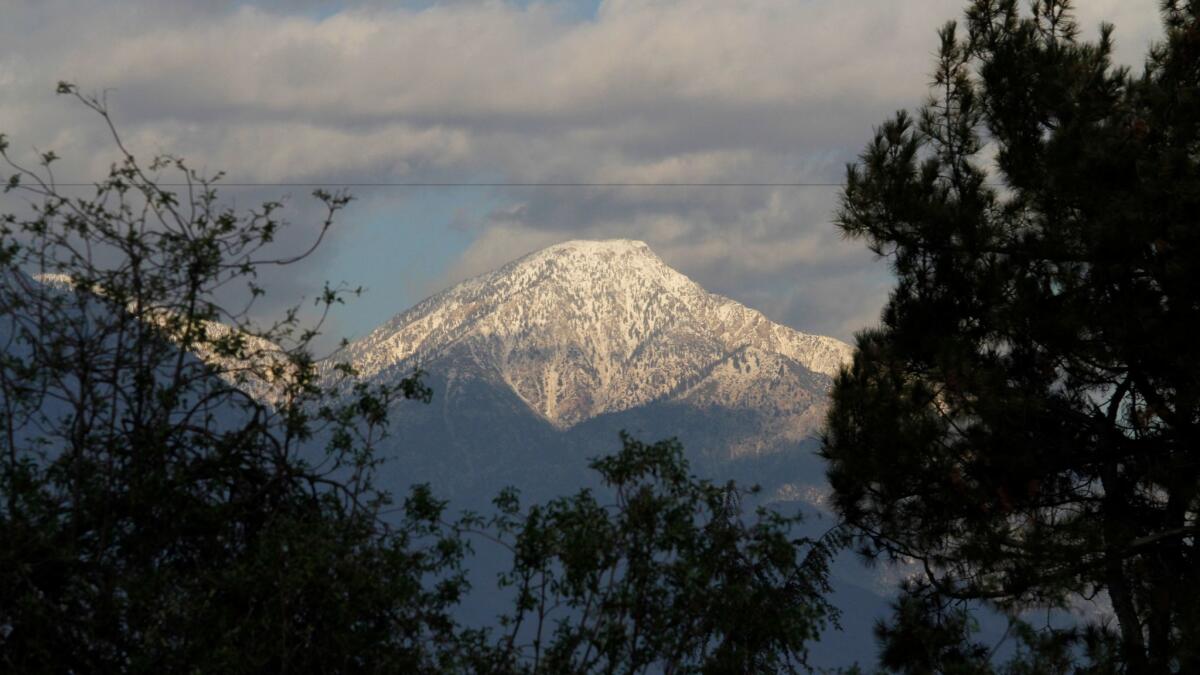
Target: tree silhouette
[(1022, 425), (156, 516)]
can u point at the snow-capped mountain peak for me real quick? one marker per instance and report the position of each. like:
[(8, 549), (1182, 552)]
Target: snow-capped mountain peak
[(584, 328)]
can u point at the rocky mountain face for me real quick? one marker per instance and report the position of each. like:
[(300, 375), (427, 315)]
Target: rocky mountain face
[(589, 328)]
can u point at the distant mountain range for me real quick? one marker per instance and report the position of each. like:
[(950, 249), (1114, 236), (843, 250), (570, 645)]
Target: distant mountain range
[(537, 366)]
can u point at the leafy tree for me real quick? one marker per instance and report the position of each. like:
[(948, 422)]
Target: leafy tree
[(181, 491), (669, 577), (1022, 427), (154, 516)]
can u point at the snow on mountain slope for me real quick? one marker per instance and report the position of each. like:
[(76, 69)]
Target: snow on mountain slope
[(257, 370), (585, 328)]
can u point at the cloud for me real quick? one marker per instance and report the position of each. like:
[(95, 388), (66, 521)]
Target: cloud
[(679, 91), (641, 79)]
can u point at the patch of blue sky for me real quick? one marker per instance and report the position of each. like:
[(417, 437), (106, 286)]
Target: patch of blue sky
[(398, 242)]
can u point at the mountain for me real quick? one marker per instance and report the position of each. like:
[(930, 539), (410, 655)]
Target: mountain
[(541, 362), (585, 328)]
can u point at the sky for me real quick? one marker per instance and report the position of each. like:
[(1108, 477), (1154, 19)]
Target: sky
[(487, 91)]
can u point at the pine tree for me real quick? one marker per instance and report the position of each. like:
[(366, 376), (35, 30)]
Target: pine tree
[(1022, 426)]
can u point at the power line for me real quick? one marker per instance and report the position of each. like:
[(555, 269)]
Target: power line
[(512, 185)]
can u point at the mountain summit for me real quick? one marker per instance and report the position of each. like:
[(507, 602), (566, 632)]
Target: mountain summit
[(586, 328)]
